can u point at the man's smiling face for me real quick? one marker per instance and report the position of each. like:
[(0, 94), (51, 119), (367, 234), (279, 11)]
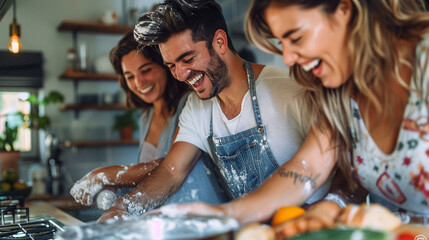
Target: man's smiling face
[(193, 63)]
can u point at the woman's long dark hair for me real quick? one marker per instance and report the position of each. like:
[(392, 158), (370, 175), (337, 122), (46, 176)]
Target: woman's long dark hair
[(174, 89)]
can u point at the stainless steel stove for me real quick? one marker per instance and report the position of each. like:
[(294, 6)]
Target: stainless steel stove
[(16, 223), (34, 230)]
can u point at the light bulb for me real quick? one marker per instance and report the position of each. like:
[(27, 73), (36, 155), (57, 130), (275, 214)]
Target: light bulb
[(14, 44), (14, 33)]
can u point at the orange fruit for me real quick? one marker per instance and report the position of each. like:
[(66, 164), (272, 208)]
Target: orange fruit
[(19, 185), (284, 214)]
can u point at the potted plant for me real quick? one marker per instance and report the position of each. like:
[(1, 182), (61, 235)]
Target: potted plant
[(8, 137), (35, 120), (126, 123), (9, 156)]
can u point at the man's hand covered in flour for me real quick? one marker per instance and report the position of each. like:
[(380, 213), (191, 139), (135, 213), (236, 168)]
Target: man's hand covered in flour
[(85, 190)]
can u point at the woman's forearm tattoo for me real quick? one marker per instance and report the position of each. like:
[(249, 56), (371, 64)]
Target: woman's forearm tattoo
[(298, 177)]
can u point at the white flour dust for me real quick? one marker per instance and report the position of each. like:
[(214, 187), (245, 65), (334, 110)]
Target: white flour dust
[(189, 179), (89, 187), (152, 227), (233, 178), (194, 193), (121, 172), (172, 210), (105, 199)]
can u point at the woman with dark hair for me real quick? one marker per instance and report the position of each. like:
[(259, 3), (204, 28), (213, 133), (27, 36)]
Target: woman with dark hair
[(148, 85), (174, 90)]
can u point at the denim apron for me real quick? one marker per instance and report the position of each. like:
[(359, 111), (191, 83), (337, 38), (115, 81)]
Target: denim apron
[(200, 184), (243, 160)]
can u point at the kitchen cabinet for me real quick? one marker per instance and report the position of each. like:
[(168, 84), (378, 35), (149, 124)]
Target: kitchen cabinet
[(97, 28)]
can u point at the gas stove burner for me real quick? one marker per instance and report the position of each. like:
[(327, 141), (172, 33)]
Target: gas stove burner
[(8, 201), (35, 230), (11, 211)]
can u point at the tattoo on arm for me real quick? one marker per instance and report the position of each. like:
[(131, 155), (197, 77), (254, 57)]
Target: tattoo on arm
[(297, 177)]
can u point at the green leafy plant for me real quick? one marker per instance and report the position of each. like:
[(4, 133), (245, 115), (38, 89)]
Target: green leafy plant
[(127, 119), (33, 120), (8, 137)]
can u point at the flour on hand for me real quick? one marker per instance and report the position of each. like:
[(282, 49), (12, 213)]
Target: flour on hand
[(85, 189)]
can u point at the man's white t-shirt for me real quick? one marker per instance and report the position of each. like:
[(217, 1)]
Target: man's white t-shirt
[(279, 98)]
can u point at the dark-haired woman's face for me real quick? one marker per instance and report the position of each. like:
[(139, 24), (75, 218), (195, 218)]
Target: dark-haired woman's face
[(313, 39), (144, 78)]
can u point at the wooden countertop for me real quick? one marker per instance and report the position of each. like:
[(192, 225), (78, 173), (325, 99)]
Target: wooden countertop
[(63, 203), (44, 208), (50, 206)]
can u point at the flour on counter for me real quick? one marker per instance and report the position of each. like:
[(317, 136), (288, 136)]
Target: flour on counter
[(172, 210), (152, 227)]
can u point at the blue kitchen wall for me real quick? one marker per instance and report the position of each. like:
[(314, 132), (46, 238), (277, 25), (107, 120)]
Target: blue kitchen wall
[(39, 21)]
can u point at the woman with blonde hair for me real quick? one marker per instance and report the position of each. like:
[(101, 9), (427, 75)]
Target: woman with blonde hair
[(364, 64)]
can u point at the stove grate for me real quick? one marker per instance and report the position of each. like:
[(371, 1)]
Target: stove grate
[(12, 211), (34, 230)]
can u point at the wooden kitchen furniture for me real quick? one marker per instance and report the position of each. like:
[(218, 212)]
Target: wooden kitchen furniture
[(96, 28)]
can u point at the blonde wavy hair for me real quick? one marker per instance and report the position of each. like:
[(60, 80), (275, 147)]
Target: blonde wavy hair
[(374, 28)]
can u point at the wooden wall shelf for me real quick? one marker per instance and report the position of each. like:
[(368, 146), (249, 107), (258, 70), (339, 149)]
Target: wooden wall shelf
[(93, 27), (101, 143), (88, 76), (93, 107)]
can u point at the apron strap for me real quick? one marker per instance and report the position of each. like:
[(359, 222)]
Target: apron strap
[(254, 99)]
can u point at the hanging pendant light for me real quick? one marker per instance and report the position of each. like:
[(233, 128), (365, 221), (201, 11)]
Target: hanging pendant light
[(14, 32)]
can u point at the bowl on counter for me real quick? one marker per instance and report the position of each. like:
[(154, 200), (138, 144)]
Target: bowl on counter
[(15, 195), (155, 227)]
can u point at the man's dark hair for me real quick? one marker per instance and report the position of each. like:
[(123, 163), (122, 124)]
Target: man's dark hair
[(202, 17)]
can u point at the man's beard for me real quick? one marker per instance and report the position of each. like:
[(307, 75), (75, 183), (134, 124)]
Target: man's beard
[(218, 74)]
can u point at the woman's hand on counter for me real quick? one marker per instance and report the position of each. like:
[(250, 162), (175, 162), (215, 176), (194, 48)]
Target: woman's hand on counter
[(89, 186), (115, 177)]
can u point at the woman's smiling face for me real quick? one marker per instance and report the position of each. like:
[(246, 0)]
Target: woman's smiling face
[(144, 78), (313, 39)]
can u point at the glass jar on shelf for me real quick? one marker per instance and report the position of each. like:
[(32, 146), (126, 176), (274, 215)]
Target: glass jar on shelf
[(71, 60)]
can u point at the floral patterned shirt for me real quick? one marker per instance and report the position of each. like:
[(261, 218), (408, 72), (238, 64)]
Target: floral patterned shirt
[(401, 177)]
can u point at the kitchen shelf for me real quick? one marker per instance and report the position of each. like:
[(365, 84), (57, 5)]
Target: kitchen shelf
[(101, 143), (77, 77), (93, 27), (65, 107), (76, 27), (87, 76)]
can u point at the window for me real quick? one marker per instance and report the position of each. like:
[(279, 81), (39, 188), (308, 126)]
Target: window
[(10, 105)]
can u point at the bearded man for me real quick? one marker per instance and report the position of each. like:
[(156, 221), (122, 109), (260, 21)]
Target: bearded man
[(246, 116)]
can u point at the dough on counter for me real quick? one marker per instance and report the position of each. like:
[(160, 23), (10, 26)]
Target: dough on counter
[(256, 231)]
